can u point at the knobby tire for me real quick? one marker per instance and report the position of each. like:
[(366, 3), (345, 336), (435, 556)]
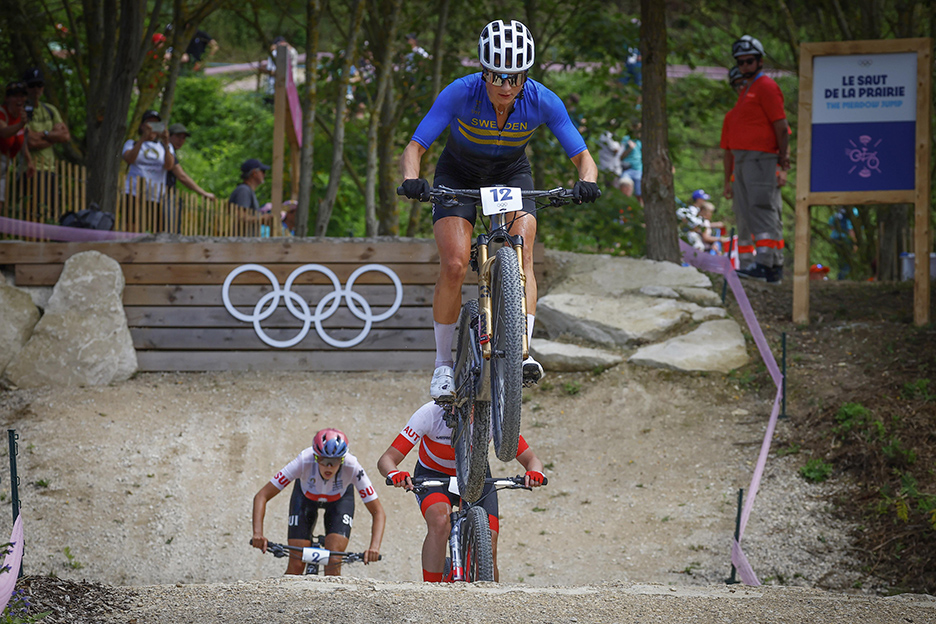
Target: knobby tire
[(507, 346), (477, 552), (472, 431)]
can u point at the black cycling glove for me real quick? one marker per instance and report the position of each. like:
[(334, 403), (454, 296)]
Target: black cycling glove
[(416, 188), (585, 192)]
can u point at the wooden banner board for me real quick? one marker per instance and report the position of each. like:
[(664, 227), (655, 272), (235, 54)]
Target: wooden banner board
[(864, 114), (179, 322)]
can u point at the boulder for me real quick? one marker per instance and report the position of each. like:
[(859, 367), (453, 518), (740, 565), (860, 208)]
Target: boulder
[(563, 357), (18, 317), (83, 338), (611, 276), (613, 322), (713, 346), (701, 296), (40, 295), (659, 291)]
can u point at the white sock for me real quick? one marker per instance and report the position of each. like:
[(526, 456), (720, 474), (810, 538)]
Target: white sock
[(530, 318), (444, 333)]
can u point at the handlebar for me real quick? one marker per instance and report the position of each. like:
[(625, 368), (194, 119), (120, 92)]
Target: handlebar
[(507, 482), (284, 550), (556, 197)]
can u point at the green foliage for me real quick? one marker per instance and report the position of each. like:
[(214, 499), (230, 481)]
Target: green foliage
[(71, 561), (918, 390), (572, 388), (857, 417), (17, 610), (816, 470)]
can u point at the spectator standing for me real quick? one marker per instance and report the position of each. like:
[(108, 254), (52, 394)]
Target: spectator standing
[(759, 140), (45, 129), (195, 51), (632, 161), (13, 120), (177, 137), (843, 239), (150, 156), (253, 174)]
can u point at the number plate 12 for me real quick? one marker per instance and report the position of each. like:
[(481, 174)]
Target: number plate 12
[(500, 199)]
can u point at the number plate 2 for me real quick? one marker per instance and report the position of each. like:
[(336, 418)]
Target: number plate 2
[(500, 199)]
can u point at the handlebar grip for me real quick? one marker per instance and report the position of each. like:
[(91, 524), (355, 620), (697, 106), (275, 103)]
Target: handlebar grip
[(399, 190), (389, 480), (545, 480)]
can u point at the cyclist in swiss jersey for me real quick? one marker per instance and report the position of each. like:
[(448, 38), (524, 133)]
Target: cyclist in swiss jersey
[(326, 477), (437, 459), (491, 116)]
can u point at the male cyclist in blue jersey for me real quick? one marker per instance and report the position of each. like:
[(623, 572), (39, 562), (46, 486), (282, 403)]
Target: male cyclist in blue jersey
[(492, 116)]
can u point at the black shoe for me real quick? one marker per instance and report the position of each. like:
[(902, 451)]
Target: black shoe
[(755, 271), (775, 275)]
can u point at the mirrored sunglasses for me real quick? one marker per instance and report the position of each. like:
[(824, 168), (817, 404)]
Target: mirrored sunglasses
[(496, 80), (329, 461)]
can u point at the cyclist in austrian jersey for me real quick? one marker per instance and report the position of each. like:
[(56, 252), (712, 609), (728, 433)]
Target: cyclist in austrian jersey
[(437, 459), (326, 477), (491, 116)]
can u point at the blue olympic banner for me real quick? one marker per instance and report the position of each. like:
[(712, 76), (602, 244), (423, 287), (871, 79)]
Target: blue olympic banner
[(864, 109)]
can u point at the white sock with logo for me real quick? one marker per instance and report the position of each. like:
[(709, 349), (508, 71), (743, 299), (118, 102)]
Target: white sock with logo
[(444, 333)]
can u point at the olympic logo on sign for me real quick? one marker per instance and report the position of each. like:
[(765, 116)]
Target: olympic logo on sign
[(357, 304)]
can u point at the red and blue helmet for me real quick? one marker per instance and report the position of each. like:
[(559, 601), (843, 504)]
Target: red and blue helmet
[(330, 443)]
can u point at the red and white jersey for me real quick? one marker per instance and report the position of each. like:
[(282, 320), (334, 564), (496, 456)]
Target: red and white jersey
[(427, 426), (305, 468)]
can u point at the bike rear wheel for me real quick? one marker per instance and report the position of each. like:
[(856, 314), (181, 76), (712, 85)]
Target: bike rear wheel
[(477, 552), (508, 326), (472, 429)]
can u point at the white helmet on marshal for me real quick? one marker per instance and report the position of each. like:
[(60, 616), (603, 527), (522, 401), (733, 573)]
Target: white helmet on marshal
[(506, 48), (747, 45)]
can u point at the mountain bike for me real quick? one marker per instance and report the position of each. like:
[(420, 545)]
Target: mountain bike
[(491, 338), (471, 554), (313, 556)]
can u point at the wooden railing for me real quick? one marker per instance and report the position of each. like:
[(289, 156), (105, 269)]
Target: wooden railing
[(146, 209)]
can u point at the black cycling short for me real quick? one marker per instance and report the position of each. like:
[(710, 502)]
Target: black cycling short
[(466, 208), (339, 515), (440, 494)]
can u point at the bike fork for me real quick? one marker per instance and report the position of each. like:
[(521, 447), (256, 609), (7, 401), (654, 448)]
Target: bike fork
[(458, 571)]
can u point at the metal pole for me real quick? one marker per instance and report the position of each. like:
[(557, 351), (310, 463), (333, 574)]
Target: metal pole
[(783, 413), (14, 482), (737, 531), (724, 286)]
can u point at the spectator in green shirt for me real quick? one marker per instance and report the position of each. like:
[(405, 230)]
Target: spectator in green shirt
[(45, 129)]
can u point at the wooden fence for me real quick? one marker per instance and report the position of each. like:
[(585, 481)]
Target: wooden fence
[(179, 322), (146, 209)]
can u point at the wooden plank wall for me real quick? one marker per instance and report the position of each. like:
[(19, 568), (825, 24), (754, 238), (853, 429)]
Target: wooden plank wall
[(178, 320)]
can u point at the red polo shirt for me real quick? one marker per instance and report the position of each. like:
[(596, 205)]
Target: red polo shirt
[(752, 118)]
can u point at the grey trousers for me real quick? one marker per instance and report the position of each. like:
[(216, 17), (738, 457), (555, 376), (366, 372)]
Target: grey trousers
[(758, 205)]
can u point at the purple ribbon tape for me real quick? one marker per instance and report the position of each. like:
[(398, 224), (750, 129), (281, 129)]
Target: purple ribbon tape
[(722, 266), (11, 563), (41, 231)]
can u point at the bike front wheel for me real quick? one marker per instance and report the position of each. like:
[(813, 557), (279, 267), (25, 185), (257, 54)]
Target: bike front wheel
[(477, 552), (507, 328), (471, 432)]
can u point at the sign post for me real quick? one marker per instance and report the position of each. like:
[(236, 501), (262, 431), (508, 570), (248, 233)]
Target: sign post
[(864, 112)]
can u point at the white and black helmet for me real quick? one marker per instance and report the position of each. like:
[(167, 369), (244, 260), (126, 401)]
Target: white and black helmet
[(506, 48), (747, 45)]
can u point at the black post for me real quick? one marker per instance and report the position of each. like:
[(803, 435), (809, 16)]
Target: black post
[(783, 413), (14, 483), (724, 286), (737, 531)]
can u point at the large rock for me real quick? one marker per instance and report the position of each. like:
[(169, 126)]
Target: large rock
[(18, 317), (562, 357), (611, 276), (614, 322), (83, 338), (712, 346)]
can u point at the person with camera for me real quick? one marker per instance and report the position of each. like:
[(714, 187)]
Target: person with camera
[(150, 156), (45, 128), (13, 120)]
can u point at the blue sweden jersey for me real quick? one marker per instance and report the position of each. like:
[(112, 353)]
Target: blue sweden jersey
[(476, 149)]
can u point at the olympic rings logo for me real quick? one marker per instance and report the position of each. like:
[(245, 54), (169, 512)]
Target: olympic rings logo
[(357, 304)]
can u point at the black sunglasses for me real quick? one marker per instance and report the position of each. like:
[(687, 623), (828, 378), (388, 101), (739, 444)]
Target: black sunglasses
[(35, 84), (497, 80), (750, 61)]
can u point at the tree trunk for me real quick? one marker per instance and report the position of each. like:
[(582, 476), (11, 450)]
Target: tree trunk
[(388, 173), (437, 46), (657, 183), (384, 74), (328, 202), (309, 101), (894, 230), (114, 61)]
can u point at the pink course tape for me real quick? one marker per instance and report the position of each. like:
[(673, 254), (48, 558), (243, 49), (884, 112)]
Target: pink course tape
[(11, 563), (41, 231), (722, 266)]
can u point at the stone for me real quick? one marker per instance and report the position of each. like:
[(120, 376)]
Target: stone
[(83, 337), (713, 346), (40, 295), (700, 296), (708, 314), (659, 291), (612, 322), (18, 317), (563, 357), (613, 276)]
